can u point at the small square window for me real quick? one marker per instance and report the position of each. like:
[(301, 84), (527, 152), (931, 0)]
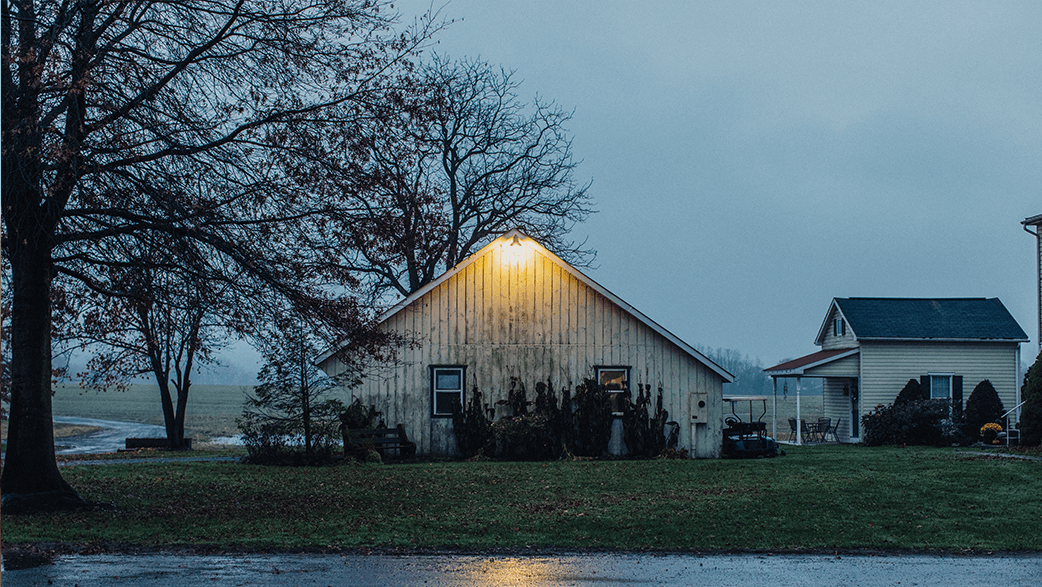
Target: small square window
[(447, 384), (940, 386), (616, 380)]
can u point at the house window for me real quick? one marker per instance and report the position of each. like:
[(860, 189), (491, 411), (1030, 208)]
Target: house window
[(940, 386), (616, 380), (447, 384), (839, 327)]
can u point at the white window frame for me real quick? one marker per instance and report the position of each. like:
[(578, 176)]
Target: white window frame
[(445, 393), (839, 327), (949, 376), (617, 396)]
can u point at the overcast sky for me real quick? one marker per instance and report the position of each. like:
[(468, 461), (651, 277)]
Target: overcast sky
[(753, 160)]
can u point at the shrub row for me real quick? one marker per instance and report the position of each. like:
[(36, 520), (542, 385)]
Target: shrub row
[(579, 423)]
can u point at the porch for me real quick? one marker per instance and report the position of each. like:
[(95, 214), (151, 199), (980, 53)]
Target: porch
[(833, 418)]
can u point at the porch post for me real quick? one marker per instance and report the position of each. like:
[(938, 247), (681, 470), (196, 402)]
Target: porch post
[(774, 410), (799, 421)]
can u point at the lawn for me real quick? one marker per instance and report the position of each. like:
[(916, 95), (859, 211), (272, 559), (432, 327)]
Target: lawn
[(820, 497)]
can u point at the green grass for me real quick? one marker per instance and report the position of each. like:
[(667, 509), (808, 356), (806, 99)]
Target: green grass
[(211, 412), (824, 497)]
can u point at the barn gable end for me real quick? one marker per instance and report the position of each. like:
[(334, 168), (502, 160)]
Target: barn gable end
[(514, 309)]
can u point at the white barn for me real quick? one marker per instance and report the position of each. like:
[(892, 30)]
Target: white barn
[(516, 309)]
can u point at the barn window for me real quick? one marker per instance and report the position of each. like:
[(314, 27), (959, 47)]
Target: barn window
[(616, 380), (447, 385)]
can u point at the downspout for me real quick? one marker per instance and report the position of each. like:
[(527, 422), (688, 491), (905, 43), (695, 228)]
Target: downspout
[(1016, 389), (1038, 279)]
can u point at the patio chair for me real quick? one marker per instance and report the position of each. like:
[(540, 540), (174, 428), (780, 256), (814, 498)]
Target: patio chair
[(792, 429), (822, 428), (832, 430)]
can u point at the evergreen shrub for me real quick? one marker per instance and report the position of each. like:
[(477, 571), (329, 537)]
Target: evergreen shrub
[(912, 391), (982, 407), (1030, 424)]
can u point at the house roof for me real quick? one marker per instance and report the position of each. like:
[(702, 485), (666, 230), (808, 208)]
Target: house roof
[(728, 377), (798, 366), (926, 319), (1032, 221)]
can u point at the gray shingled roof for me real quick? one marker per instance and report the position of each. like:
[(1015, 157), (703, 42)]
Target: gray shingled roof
[(914, 318)]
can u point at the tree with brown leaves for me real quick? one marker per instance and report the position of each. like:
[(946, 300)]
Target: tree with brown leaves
[(132, 125)]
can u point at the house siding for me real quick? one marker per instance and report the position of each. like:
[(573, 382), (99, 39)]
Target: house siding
[(525, 316), (845, 367), (887, 366), (830, 341), (836, 403)]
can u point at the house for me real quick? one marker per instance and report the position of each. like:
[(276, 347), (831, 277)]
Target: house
[(514, 309), (871, 347)]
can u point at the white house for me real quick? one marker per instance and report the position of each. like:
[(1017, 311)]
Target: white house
[(871, 347)]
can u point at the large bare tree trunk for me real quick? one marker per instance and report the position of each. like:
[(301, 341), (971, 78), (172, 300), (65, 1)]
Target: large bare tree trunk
[(31, 481)]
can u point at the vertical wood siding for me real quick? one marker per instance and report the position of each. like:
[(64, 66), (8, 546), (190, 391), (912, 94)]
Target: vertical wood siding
[(525, 316)]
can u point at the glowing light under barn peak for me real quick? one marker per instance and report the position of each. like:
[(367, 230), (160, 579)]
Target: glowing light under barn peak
[(516, 250)]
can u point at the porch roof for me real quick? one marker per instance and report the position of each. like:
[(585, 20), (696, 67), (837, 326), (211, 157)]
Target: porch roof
[(801, 365)]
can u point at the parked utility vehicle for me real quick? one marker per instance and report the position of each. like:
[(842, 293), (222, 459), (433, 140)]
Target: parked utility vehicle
[(748, 438)]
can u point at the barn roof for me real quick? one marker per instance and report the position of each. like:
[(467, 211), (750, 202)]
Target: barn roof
[(926, 319), (688, 349)]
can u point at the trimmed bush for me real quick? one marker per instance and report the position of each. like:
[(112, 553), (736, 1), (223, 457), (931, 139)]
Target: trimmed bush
[(1031, 414), (529, 436), (524, 438), (918, 422), (984, 406), (912, 391), (358, 416)]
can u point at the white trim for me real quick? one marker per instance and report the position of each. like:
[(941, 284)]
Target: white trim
[(951, 383), (826, 323), (727, 377)]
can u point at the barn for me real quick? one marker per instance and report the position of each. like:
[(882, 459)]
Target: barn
[(515, 309)]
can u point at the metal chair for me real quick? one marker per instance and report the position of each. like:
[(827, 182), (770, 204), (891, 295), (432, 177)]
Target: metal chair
[(832, 430), (792, 429), (823, 428)]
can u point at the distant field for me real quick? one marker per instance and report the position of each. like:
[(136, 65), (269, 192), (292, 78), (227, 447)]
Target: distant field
[(212, 409)]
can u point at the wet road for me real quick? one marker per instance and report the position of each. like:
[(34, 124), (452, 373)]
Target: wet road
[(111, 438), (752, 570)]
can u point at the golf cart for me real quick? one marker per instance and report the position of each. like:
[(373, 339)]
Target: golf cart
[(748, 438)]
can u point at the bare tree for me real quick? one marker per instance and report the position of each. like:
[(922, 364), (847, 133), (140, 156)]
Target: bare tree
[(160, 120), (437, 173), (166, 321)]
